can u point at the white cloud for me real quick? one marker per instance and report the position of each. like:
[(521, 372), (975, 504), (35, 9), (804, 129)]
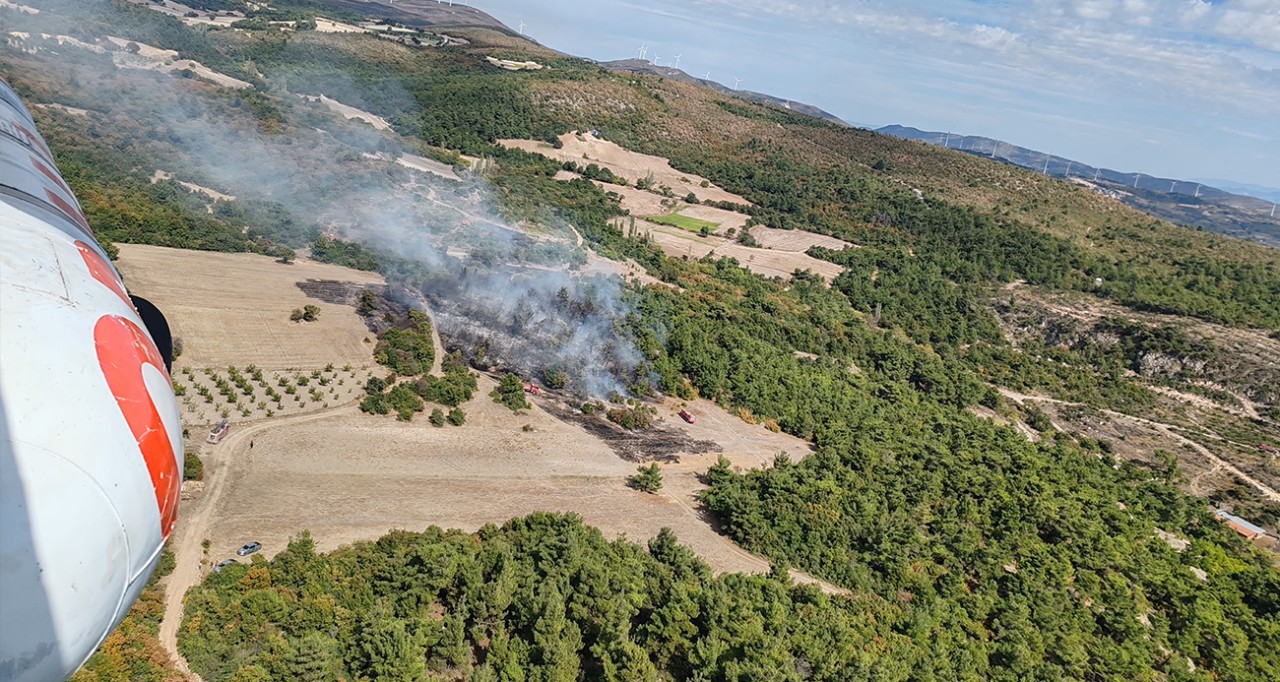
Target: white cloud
[(1220, 54)]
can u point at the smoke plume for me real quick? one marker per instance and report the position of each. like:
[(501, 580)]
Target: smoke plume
[(508, 291)]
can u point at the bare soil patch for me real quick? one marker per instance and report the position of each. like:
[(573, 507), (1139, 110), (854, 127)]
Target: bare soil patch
[(586, 149), (350, 112), (192, 187), (680, 243), (795, 241)]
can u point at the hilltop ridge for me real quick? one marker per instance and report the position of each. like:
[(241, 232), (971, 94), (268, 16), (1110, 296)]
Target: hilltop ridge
[(1186, 202), (647, 67)]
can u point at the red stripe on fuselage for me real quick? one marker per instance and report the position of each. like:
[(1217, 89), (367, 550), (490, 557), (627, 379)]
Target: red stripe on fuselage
[(48, 173), (102, 272), (123, 348), (71, 211)]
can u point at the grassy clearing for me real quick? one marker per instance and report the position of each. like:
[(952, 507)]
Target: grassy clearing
[(684, 222)]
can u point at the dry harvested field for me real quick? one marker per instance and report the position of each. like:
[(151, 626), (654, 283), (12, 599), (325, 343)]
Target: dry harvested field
[(587, 149), (349, 112), (677, 242), (644, 203), (233, 308), (331, 26), (192, 187), (795, 241), (347, 476), (74, 111)]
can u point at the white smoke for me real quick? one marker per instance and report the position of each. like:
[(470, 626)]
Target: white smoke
[(507, 289)]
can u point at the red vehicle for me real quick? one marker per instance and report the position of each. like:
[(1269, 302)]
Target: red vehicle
[(688, 416), (530, 388)]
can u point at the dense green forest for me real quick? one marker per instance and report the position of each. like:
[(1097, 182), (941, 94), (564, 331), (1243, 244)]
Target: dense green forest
[(969, 551), (541, 598)]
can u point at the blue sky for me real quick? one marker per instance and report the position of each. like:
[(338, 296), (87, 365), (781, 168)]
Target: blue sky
[(1179, 88)]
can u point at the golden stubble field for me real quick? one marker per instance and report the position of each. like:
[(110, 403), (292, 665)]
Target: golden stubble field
[(232, 309), (780, 254), (587, 149), (347, 476)]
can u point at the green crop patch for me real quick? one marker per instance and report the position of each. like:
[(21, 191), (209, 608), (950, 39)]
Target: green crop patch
[(684, 222)]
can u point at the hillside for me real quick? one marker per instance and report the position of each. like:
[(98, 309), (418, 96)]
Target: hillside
[(1016, 402), (649, 68), (419, 13), (1183, 202)]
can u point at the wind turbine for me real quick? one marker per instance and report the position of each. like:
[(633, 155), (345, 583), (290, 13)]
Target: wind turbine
[(1046, 165), (644, 49), (677, 64), (736, 83), (1069, 168), (657, 61), (522, 27), (1172, 184), (706, 76), (1135, 179), (1096, 173), (1198, 194)]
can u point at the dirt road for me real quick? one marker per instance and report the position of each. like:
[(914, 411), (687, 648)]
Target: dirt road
[(1169, 430), (195, 516)]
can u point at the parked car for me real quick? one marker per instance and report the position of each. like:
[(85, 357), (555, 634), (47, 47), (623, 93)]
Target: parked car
[(249, 548), (223, 564)]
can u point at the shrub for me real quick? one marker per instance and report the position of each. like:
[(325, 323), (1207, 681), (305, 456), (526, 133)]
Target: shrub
[(647, 478), (1037, 419), (555, 378), (634, 418), (192, 467), (510, 392)]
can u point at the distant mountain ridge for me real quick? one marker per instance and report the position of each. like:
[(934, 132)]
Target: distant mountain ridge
[(1185, 202), (1259, 191), (647, 67)]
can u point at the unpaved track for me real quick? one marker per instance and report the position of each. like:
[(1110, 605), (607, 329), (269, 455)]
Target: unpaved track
[(1169, 430), (195, 515)]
